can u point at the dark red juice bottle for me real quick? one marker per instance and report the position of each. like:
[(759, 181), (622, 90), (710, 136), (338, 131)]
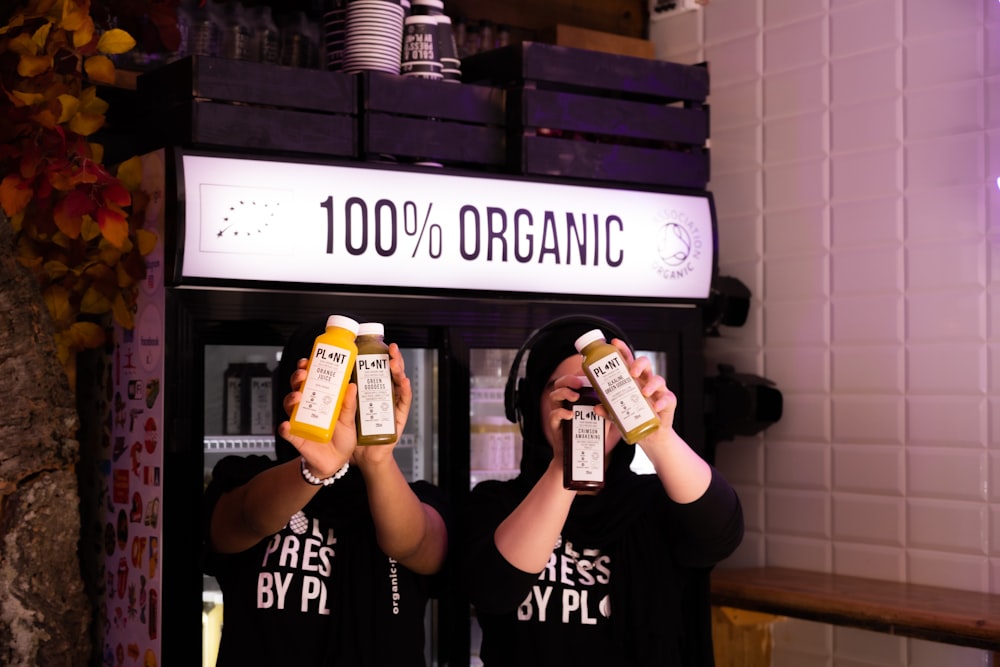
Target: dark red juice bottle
[(583, 442)]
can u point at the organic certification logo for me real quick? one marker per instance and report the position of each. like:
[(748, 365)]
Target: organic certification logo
[(242, 219), (678, 245)]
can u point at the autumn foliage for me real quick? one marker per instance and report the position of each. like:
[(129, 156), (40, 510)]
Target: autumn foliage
[(77, 225)]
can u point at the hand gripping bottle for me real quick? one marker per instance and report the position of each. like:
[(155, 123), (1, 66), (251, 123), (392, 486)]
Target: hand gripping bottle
[(328, 374), (376, 416), (619, 392), (583, 442)]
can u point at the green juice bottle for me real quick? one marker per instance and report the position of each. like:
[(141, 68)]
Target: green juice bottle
[(619, 392), (376, 416), (328, 374)]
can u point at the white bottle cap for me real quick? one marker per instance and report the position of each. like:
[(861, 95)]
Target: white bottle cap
[(588, 338), (343, 322), (371, 328)]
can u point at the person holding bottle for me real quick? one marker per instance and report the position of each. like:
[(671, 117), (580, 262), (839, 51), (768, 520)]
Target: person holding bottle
[(326, 555), (614, 577)]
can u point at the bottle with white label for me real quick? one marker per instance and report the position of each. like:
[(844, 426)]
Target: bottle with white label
[(376, 416), (619, 392), (258, 401), (583, 442), (327, 375), (232, 399)]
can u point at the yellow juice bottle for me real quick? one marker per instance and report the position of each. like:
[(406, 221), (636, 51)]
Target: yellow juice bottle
[(328, 374), (376, 416), (619, 392)]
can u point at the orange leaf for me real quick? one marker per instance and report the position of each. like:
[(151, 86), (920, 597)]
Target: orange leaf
[(123, 314), (41, 35), (74, 14), (101, 275), (108, 254), (15, 194), (115, 41), (113, 224), (16, 22), (30, 263), (29, 66), (23, 45), (69, 106), (130, 173), (86, 124), (22, 99), (17, 221), (65, 354), (116, 194), (68, 224), (90, 230), (94, 302), (55, 270), (91, 103), (47, 118), (145, 240), (84, 34), (56, 299), (87, 335), (100, 69)]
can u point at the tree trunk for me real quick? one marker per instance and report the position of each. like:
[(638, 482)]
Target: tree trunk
[(44, 613)]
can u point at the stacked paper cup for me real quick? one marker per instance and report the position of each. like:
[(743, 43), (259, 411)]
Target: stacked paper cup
[(334, 33), (447, 52), (420, 48), (373, 31), (451, 64)]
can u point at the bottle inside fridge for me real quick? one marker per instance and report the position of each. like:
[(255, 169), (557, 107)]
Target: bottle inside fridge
[(494, 442)]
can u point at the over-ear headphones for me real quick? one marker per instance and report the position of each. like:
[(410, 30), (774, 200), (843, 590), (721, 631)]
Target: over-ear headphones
[(512, 393)]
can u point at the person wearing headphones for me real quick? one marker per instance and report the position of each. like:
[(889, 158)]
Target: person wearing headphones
[(327, 555), (617, 577)]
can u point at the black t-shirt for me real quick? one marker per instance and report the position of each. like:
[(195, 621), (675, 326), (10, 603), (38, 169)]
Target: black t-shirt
[(627, 583), (320, 591)]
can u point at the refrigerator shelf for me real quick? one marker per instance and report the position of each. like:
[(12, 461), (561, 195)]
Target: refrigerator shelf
[(239, 444), (220, 446)]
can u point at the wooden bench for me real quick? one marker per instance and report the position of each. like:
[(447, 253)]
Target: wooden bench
[(965, 618)]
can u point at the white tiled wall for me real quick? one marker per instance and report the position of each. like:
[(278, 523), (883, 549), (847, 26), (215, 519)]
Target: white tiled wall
[(855, 165)]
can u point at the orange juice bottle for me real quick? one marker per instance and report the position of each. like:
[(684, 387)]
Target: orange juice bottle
[(619, 392), (376, 416), (327, 376)]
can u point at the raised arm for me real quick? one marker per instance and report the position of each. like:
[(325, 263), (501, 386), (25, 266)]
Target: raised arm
[(684, 474), (261, 507), (407, 530)]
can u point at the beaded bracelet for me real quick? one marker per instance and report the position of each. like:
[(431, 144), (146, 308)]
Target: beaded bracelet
[(316, 481)]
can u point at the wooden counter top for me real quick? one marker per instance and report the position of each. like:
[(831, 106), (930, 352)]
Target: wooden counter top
[(966, 618)]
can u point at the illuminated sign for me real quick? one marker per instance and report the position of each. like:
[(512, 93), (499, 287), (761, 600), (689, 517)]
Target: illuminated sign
[(254, 219)]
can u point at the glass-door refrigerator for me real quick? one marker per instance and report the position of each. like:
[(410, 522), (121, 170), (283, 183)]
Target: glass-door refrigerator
[(459, 267)]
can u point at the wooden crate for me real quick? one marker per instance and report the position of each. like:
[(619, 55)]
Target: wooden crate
[(217, 102), (413, 119), (597, 40), (577, 113)]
